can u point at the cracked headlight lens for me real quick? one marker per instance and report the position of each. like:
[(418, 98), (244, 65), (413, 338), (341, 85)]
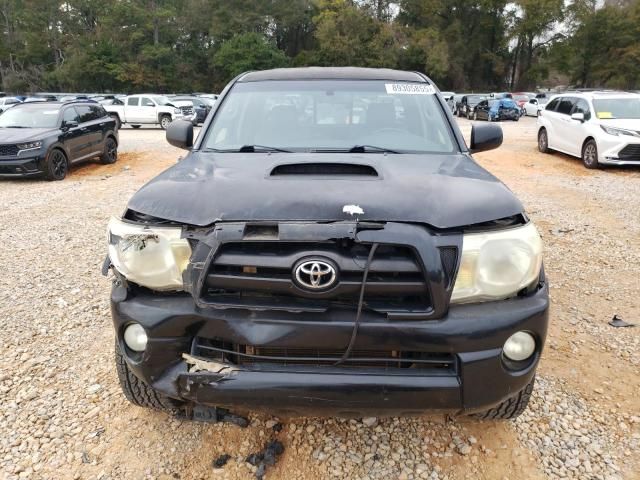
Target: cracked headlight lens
[(153, 257), (497, 265)]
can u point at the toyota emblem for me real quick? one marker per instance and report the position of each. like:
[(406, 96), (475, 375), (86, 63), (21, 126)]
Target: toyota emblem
[(315, 274)]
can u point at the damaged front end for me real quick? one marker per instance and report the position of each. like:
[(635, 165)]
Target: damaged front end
[(253, 324)]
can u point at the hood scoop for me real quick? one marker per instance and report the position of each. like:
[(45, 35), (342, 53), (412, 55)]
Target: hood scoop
[(322, 169)]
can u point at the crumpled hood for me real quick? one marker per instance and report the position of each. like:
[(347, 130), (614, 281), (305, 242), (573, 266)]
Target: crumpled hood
[(17, 135), (443, 191)]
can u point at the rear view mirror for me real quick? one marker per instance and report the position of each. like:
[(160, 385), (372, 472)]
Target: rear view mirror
[(579, 116), (69, 124), (180, 134), (485, 137)]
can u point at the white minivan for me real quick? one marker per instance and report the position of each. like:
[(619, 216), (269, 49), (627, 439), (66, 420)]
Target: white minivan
[(601, 127)]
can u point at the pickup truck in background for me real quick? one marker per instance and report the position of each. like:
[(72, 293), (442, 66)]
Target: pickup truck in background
[(150, 109)]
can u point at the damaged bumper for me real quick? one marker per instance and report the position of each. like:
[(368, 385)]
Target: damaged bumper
[(462, 370)]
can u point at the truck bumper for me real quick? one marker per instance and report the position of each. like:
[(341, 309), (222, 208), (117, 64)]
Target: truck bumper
[(476, 378)]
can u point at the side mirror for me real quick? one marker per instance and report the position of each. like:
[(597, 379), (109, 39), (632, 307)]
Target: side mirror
[(579, 116), (68, 125), (180, 134), (485, 137)]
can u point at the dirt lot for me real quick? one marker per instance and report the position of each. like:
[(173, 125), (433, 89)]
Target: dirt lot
[(62, 414)]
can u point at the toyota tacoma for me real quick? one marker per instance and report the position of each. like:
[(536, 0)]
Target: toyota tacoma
[(328, 247)]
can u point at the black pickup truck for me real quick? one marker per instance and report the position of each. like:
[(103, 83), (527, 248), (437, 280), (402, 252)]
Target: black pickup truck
[(328, 247)]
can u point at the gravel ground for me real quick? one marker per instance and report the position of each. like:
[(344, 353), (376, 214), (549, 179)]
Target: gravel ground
[(62, 414)]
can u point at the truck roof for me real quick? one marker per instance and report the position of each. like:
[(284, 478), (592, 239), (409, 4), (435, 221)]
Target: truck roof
[(331, 73)]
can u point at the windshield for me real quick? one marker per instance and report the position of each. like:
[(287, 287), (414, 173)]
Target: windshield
[(473, 99), (160, 100), (521, 98), (617, 107), (323, 115), (39, 117)]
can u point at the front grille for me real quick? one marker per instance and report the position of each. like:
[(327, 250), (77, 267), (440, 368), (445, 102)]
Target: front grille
[(187, 110), (248, 356), (255, 274), (630, 152), (8, 150)]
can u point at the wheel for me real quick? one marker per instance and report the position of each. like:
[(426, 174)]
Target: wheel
[(517, 118), (543, 141), (475, 115), (165, 120), (590, 155), (538, 113), (57, 165), (140, 393), (136, 126), (510, 408), (116, 118), (489, 118), (110, 154)]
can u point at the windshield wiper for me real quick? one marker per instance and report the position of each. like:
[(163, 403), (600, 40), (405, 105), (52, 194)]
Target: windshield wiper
[(260, 148), (370, 148)]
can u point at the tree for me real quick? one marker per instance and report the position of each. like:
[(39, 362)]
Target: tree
[(248, 51)]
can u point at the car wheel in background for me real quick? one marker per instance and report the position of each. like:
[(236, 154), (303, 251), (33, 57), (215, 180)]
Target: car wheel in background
[(538, 113), (57, 165), (543, 141), (475, 115), (117, 120), (165, 120), (590, 154), (110, 154)]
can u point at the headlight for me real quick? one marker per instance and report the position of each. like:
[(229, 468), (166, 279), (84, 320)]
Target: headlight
[(619, 131), (177, 110), (497, 265), (29, 146), (153, 257)]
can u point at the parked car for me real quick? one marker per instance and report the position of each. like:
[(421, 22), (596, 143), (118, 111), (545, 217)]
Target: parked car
[(149, 109), (496, 110), (242, 274), (202, 106), (468, 103), (448, 98), (46, 138), (533, 107), (600, 127), (455, 102), (521, 99), (8, 102)]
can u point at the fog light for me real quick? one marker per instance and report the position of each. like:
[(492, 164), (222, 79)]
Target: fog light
[(519, 346), (135, 337)]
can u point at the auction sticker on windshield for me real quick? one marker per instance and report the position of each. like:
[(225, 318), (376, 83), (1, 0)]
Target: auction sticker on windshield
[(410, 88)]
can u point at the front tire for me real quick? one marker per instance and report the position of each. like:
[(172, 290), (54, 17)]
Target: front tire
[(140, 393), (57, 165), (543, 141), (510, 408), (165, 120), (590, 154), (110, 154)]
